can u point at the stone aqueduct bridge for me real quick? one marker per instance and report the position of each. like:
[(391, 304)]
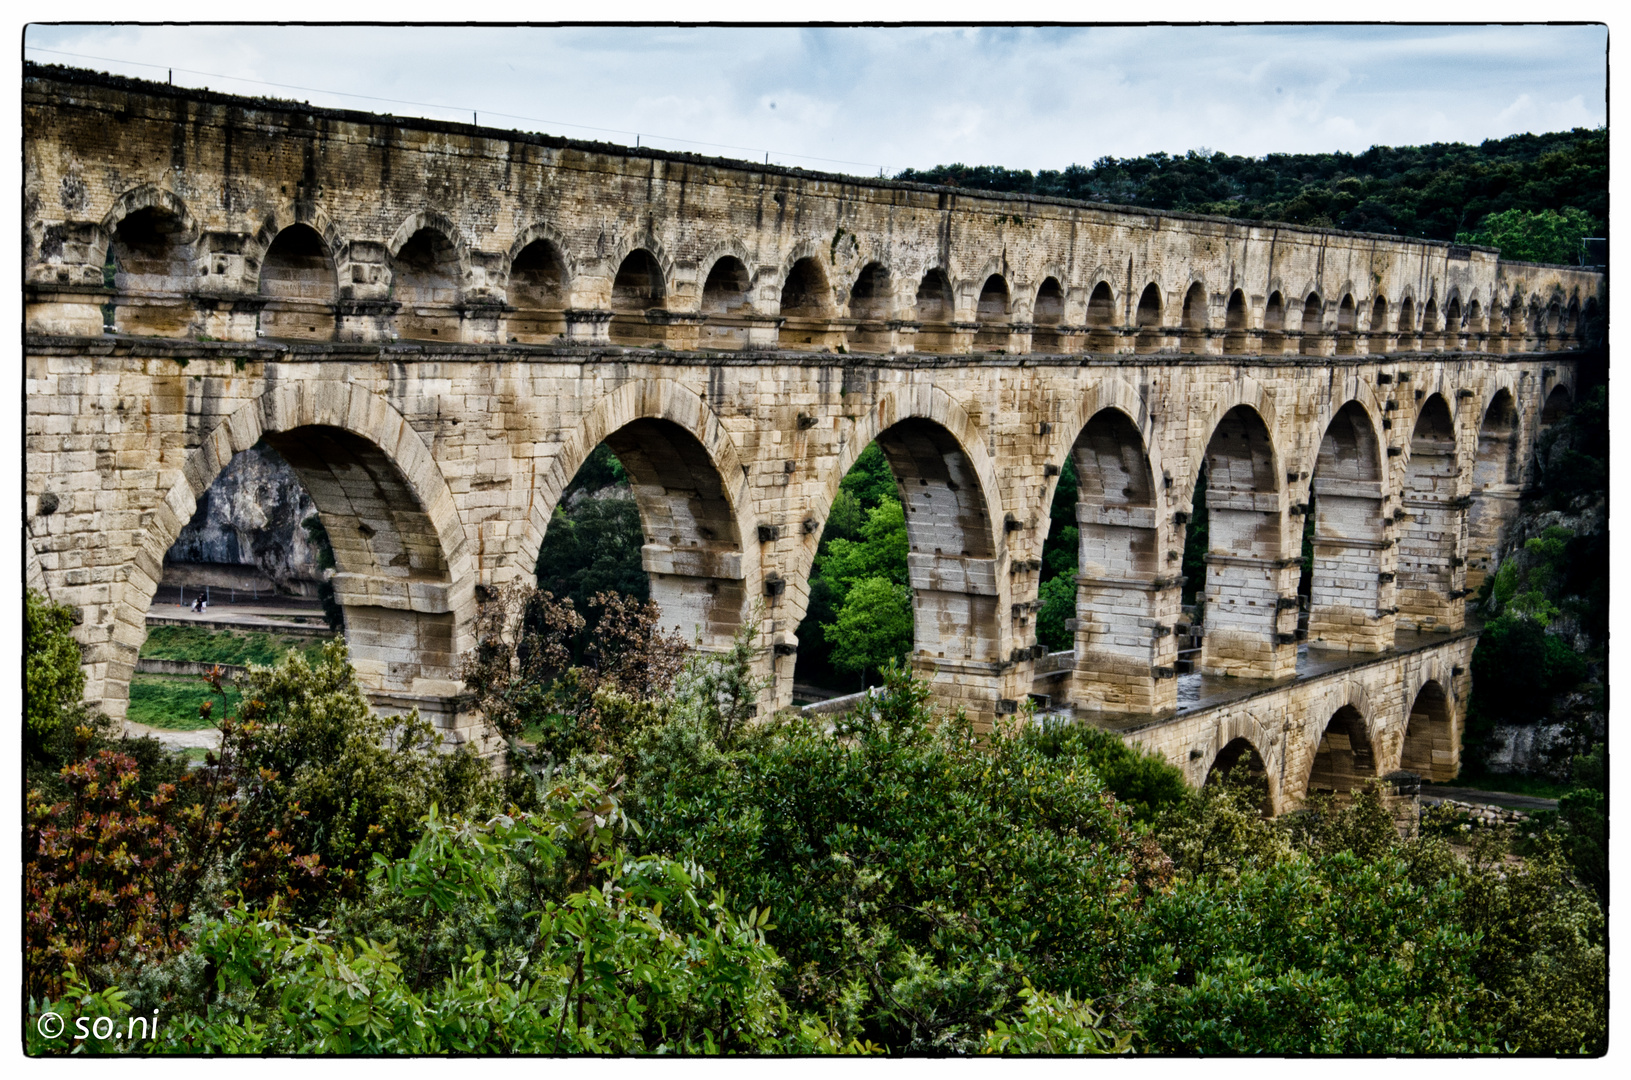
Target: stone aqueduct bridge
[(436, 323)]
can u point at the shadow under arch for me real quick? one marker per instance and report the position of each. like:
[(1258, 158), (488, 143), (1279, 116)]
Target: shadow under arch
[(1240, 758), (1120, 591), (1429, 560), (1344, 759), (1249, 600), (1431, 748), (404, 576)]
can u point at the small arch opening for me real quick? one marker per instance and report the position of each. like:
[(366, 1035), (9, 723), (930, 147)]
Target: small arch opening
[(992, 315), (934, 305), (298, 274), (150, 254), (637, 291), (1234, 323), (1407, 318), (871, 303), (1195, 318), (1346, 317), (807, 308), (1274, 324), (726, 305), (537, 292), (1150, 334), (1101, 316), (1312, 328), (1046, 315), (425, 283)]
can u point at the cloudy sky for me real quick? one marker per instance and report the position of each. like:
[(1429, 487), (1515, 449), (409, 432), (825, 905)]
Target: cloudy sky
[(864, 99)]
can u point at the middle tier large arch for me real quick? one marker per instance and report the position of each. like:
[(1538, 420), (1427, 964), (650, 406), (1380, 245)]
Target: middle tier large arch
[(691, 487)]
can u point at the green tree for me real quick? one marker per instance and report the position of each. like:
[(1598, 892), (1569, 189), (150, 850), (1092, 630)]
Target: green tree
[(879, 553), (327, 782), (874, 626), (1546, 236), (52, 678), (1058, 596)]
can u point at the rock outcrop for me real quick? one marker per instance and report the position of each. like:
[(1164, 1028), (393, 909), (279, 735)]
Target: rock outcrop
[(251, 516)]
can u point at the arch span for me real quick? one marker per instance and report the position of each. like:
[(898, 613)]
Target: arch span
[(299, 274), (1344, 759), (405, 576), (1431, 747), (1122, 586)]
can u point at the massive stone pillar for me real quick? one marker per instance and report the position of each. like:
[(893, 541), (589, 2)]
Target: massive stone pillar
[(1351, 583), (1251, 584), (1431, 569), (1125, 608), (1494, 488)]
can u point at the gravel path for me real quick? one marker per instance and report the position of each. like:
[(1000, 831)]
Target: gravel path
[(202, 739)]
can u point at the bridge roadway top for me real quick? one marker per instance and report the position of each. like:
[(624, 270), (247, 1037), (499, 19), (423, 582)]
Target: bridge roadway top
[(1199, 693)]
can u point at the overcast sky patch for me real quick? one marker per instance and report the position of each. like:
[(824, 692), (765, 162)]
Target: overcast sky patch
[(867, 100)]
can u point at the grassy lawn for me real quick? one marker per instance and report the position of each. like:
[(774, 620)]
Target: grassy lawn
[(172, 702), (224, 646)]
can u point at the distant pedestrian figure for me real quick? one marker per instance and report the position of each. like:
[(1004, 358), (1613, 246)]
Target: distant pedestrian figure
[(198, 604)]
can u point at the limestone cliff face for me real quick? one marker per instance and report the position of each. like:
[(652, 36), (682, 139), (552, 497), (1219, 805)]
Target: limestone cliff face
[(251, 516)]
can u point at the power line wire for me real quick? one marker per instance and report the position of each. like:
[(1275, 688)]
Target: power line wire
[(460, 110)]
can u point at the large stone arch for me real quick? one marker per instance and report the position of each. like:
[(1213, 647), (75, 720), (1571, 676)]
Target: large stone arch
[(957, 541), (1429, 743), (1343, 753), (407, 585), (1234, 740), (1073, 414), (676, 452), (1242, 390)]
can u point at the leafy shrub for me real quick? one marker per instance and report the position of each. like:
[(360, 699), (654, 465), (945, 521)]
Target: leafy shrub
[(918, 873), (640, 958), (326, 782), (1518, 668), (52, 679), (110, 874)]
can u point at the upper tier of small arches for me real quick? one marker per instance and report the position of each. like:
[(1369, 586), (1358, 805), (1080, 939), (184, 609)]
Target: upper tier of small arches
[(541, 292)]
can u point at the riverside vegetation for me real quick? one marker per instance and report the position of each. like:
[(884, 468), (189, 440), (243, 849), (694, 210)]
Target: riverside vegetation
[(656, 871)]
